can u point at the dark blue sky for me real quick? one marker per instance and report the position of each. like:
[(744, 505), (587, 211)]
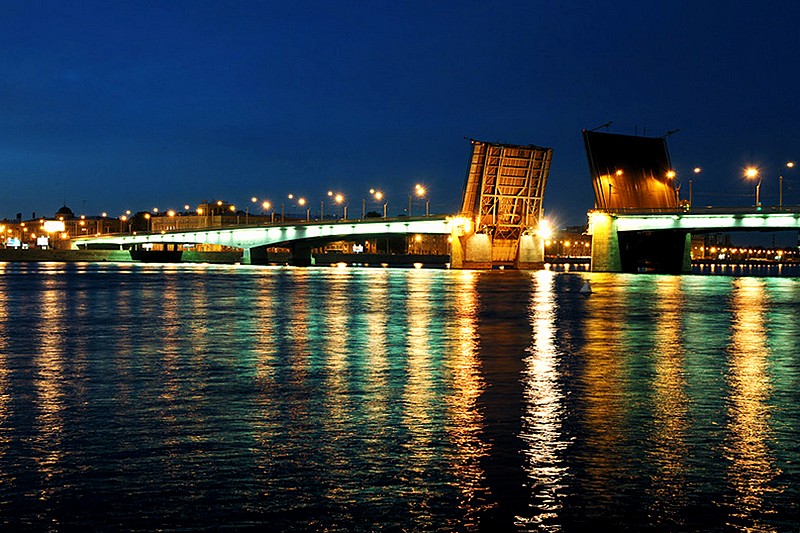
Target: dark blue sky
[(132, 105)]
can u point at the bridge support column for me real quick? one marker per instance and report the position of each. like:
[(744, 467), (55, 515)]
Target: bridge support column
[(531, 252), (605, 243), (245, 260), (686, 266), (301, 255), (471, 251)]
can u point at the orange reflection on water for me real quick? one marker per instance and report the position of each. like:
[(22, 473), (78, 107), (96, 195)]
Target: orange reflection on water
[(50, 379), (337, 337), (544, 413), (5, 371), (299, 356), (604, 353), (376, 358), (752, 466), (417, 397), (670, 403), (464, 420)]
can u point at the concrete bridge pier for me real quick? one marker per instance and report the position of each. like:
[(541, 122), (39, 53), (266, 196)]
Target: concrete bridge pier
[(663, 251), (471, 251), (605, 243), (530, 255), (301, 255), (474, 251)]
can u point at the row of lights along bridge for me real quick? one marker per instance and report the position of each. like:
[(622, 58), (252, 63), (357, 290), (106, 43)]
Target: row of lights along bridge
[(750, 173), (333, 200)]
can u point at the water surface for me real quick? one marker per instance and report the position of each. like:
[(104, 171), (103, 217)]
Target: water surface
[(174, 397)]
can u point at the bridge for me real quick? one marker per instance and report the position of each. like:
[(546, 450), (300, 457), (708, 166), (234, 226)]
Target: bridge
[(299, 236), (631, 240), (498, 223), (639, 222)]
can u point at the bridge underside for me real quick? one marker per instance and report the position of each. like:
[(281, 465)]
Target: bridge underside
[(300, 239), (661, 241)]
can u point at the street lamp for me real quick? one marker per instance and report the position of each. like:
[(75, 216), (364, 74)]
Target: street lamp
[(302, 202), (339, 199), (147, 217), (378, 196), (420, 191), (676, 187), (266, 206), (247, 211), (697, 170), (752, 173), (789, 164)]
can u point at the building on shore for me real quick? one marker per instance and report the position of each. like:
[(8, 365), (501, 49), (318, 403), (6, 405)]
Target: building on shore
[(55, 232)]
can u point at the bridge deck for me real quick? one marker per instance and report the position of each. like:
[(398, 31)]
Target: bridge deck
[(274, 234), (704, 219)]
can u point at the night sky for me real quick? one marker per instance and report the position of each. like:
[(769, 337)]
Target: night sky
[(109, 106)]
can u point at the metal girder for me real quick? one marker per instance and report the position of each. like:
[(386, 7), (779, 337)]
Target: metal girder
[(505, 187)]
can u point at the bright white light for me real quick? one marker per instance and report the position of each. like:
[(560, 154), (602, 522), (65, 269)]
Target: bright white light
[(54, 226), (545, 231)]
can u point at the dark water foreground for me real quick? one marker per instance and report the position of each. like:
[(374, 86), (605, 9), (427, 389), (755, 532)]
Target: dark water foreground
[(185, 397)]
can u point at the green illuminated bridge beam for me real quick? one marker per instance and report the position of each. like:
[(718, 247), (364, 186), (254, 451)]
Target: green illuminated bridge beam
[(300, 236), (627, 240)]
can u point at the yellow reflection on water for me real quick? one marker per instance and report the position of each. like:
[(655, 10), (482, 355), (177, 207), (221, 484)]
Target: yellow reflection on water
[(544, 412), (299, 356), (5, 371), (464, 420), (604, 356), (337, 338), (49, 379), (670, 402), (266, 314), (752, 466), (377, 301), (417, 397)]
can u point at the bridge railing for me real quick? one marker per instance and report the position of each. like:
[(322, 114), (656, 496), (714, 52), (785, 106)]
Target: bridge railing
[(706, 210), (287, 222)]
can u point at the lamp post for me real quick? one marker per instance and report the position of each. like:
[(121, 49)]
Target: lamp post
[(339, 199), (676, 187), (265, 206), (378, 195), (697, 170), (302, 202), (752, 173), (789, 164), (419, 190)]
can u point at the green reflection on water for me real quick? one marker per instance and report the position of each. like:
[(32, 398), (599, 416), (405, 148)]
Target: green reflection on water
[(370, 397)]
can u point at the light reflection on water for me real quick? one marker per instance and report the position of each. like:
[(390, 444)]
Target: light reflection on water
[(545, 412), (753, 468), (176, 396)]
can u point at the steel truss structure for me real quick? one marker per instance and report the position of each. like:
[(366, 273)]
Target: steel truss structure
[(504, 192)]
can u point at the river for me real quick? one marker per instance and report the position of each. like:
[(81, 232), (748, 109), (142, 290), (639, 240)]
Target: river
[(184, 397)]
